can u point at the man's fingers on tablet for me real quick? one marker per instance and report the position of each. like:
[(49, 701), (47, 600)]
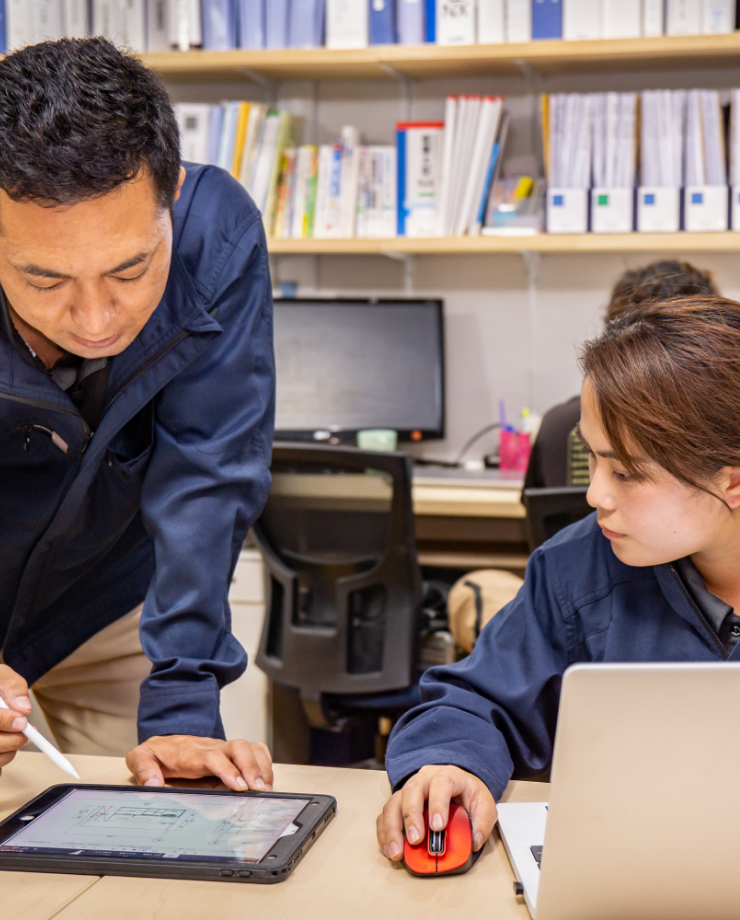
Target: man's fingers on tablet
[(264, 759), (144, 767), (249, 770)]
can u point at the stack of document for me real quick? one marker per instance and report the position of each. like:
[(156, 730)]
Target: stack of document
[(568, 137), (705, 139), (475, 131), (614, 125), (662, 138)]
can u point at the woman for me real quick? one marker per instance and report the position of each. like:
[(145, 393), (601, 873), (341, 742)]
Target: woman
[(654, 575)]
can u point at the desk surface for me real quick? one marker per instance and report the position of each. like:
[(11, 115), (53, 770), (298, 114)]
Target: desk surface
[(343, 877)]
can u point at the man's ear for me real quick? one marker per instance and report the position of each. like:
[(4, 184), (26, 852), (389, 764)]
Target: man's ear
[(179, 183), (731, 476)]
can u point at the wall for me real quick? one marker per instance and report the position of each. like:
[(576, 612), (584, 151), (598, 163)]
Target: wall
[(513, 325)]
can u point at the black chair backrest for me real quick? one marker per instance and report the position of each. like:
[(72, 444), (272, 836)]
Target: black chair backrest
[(344, 587), (550, 510)]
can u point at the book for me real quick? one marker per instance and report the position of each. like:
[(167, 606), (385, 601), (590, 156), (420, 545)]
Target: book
[(718, 16), (621, 19), (185, 24), (581, 20), (133, 24), (306, 23), (349, 181), (18, 24), (305, 172), (219, 25), (420, 151), (493, 172), (283, 139), (193, 120), (547, 19), (410, 22), (430, 21), (285, 194), (228, 136), (240, 138), (158, 25), (3, 34), (75, 18), (518, 20), (309, 219), (276, 23), (215, 127), (383, 23), (347, 24), (491, 26), (683, 17), (251, 24), (252, 137), (107, 20), (455, 22), (485, 137), (653, 15), (327, 223), (48, 22)]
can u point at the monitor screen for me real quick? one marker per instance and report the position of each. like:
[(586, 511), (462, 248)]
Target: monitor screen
[(348, 365)]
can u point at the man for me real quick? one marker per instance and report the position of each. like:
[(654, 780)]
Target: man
[(558, 456), (136, 416)]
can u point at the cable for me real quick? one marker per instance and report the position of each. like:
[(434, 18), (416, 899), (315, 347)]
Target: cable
[(476, 437)]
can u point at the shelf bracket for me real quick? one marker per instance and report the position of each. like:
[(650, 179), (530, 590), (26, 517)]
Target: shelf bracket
[(409, 264), (265, 83), (407, 89), (532, 262)]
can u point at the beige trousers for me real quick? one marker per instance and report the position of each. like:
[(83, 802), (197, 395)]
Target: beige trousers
[(90, 700)]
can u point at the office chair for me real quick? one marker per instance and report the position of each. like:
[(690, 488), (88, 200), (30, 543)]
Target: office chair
[(344, 590), (550, 510)]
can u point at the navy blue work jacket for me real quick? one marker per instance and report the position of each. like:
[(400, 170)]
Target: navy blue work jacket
[(494, 713), (155, 505)]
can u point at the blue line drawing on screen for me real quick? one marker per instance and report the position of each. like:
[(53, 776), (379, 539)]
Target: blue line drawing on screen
[(134, 821)]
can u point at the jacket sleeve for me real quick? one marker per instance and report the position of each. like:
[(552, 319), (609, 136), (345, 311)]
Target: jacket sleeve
[(494, 713), (206, 484)]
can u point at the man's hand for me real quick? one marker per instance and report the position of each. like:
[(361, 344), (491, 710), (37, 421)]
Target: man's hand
[(14, 691), (238, 764), (438, 785)]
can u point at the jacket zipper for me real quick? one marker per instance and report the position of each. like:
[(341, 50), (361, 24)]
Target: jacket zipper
[(701, 616), (182, 334), (40, 404)]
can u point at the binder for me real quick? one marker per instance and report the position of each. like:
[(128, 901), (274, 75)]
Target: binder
[(491, 29), (18, 23), (683, 17), (158, 24), (306, 28), (347, 24), (3, 38), (518, 20), (621, 19), (276, 23), (382, 22), (251, 23), (547, 19), (419, 146), (581, 20), (107, 20), (430, 21), (455, 22), (718, 17), (653, 15), (47, 20), (185, 24), (133, 24), (74, 18), (219, 25), (410, 22), (193, 119)]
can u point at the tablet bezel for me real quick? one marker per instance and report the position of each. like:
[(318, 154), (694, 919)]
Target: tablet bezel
[(275, 866)]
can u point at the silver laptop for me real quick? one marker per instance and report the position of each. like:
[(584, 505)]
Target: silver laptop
[(643, 821)]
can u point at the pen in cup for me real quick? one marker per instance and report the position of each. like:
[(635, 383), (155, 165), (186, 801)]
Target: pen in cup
[(46, 747)]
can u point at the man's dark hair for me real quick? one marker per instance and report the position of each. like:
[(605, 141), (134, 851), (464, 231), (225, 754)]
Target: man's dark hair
[(78, 118), (660, 280)]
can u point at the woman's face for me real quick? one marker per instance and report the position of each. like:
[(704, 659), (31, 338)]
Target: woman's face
[(654, 519)]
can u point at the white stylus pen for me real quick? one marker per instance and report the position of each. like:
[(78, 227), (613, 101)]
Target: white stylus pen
[(46, 747)]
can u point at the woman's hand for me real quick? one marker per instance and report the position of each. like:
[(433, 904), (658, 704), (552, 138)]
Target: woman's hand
[(437, 785), (238, 764), (14, 691)]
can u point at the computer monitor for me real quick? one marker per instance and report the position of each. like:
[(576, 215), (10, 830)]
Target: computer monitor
[(348, 365)]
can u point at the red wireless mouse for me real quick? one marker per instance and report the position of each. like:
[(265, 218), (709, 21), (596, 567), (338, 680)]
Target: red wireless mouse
[(447, 852)]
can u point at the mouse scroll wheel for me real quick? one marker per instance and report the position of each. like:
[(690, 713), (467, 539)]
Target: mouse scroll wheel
[(436, 842)]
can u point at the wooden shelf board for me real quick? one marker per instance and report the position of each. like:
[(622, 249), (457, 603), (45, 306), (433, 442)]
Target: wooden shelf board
[(384, 62), (493, 245)]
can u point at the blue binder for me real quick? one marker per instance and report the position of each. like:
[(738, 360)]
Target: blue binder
[(219, 25), (411, 22), (277, 19), (430, 16), (382, 22), (3, 32), (251, 22), (306, 29), (547, 19)]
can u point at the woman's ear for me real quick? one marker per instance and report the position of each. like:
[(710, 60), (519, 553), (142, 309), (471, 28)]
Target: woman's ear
[(731, 490)]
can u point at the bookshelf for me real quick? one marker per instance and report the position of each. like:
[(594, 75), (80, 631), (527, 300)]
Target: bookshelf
[(501, 245), (423, 62)]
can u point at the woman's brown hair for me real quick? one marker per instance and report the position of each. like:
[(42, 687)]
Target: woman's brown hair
[(667, 384)]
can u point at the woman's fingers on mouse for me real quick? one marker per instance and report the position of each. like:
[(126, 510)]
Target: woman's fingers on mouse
[(413, 796), (444, 786), (390, 828), (480, 805)]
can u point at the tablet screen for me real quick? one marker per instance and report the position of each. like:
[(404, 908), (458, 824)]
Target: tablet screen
[(187, 825)]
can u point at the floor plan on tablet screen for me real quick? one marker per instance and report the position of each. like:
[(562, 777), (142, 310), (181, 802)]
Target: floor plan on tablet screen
[(177, 825)]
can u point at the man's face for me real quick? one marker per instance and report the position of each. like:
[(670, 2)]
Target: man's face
[(87, 276)]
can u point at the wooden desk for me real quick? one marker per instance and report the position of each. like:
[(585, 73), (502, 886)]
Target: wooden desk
[(343, 878)]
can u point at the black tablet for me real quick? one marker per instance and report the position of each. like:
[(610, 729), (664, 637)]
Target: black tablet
[(164, 832)]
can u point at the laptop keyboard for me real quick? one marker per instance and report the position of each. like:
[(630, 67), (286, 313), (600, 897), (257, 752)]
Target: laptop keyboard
[(537, 853)]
